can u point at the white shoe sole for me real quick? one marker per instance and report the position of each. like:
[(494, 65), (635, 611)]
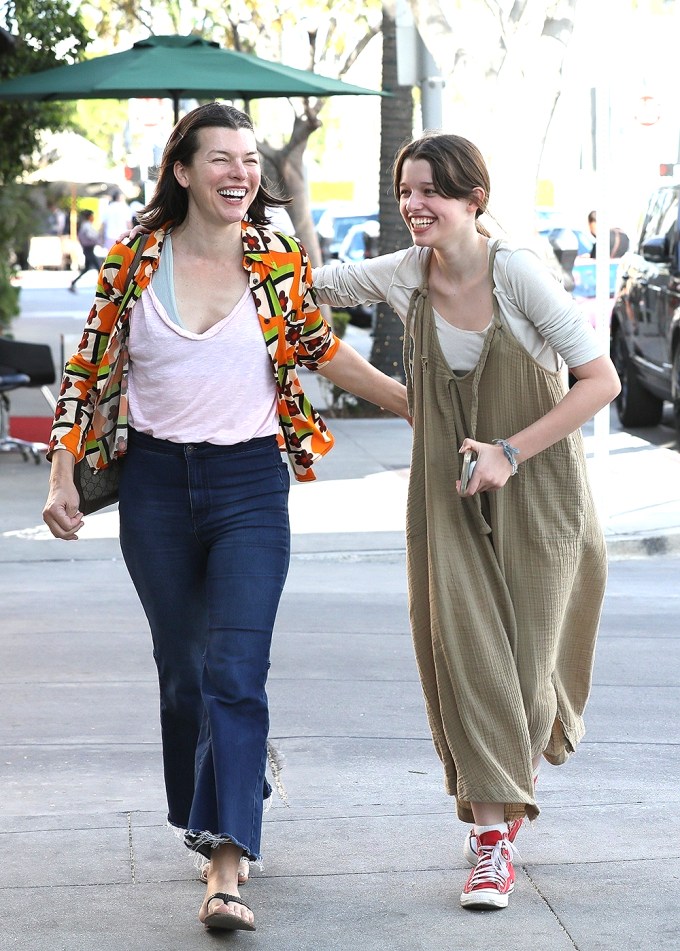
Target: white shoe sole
[(485, 899)]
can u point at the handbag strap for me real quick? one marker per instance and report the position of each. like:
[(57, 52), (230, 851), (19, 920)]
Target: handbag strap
[(128, 289)]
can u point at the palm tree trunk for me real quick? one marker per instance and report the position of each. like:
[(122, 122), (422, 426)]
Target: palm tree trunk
[(396, 126)]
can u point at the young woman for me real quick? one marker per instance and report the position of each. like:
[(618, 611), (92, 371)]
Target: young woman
[(192, 379), (506, 574)]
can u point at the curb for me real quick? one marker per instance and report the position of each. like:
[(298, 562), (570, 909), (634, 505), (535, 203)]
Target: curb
[(619, 548), (643, 546)]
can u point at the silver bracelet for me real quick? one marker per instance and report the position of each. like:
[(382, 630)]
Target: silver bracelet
[(509, 452)]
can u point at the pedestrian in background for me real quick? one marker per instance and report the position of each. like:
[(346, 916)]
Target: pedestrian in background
[(203, 362), (619, 242), (56, 219), (506, 573), (88, 236), (116, 218)]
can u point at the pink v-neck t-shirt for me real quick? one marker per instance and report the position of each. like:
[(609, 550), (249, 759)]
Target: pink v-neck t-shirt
[(215, 387)]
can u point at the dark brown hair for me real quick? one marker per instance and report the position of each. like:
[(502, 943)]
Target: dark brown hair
[(457, 167), (170, 202)]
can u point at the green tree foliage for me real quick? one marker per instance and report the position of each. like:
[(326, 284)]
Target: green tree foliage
[(41, 34), (37, 35), (333, 32)]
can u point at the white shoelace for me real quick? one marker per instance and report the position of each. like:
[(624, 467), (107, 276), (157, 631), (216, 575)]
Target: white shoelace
[(492, 864)]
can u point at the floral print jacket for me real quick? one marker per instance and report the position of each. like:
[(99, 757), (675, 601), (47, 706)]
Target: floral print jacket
[(91, 415)]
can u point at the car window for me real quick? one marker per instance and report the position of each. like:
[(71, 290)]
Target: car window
[(581, 240), (355, 249), (668, 222), (658, 206), (343, 223)]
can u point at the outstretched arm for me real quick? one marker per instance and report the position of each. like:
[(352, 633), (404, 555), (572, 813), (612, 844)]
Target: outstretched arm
[(351, 372)]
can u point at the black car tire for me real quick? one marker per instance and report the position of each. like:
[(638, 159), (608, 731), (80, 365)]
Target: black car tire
[(675, 384), (635, 405)]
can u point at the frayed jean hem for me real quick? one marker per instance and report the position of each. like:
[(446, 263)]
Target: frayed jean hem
[(205, 842)]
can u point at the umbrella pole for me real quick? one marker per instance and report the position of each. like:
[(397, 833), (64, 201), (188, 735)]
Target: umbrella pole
[(175, 106)]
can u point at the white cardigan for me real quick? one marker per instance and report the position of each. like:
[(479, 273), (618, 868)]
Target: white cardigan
[(538, 311)]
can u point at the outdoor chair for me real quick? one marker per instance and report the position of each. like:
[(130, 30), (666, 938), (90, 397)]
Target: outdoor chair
[(23, 364)]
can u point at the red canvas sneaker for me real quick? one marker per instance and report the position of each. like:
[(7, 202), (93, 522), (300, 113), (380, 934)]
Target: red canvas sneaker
[(493, 878), (470, 844)]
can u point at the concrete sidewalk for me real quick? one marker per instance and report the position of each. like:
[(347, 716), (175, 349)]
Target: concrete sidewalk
[(365, 851)]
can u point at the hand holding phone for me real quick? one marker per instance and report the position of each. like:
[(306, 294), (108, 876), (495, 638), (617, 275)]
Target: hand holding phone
[(466, 472)]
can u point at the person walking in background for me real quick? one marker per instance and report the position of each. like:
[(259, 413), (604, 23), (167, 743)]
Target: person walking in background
[(619, 241), (56, 219), (202, 361), (115, 219), (88, 236), (507, 561)]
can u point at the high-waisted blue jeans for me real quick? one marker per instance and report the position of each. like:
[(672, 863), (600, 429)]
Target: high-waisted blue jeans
[(205, 536)]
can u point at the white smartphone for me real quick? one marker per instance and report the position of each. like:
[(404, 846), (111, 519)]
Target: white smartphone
[(468, 468)]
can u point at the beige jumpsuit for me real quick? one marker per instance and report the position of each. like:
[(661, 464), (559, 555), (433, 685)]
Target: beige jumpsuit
[(505, 587)]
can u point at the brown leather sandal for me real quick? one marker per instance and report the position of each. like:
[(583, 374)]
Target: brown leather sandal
[(225, 919)]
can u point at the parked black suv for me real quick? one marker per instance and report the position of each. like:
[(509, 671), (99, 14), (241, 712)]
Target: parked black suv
[(645, 325)]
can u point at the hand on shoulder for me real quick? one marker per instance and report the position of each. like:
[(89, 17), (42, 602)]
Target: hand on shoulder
[(132, 233)]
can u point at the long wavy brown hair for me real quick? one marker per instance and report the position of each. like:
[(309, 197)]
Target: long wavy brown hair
[(170, 203)]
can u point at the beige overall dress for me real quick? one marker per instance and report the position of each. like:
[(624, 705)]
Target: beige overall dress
[(505, 587)]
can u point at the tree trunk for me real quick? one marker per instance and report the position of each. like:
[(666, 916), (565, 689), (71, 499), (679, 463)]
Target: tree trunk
[(286, 167), (396, 126)]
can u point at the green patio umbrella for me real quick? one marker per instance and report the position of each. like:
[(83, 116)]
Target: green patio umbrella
[(175, 67)]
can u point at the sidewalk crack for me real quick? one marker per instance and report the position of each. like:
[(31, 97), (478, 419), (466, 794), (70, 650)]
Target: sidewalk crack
[(131, 849), (550, 907)]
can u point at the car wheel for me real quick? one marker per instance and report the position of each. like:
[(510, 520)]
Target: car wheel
[(676, 390), (635, 405)]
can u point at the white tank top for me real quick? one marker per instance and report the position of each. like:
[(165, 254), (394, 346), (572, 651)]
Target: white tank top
[(215, 387)]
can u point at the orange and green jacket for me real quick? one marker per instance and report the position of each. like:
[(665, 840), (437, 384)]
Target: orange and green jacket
[(91, 415)]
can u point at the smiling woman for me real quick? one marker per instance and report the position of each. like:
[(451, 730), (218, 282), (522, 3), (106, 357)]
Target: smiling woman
[(214, 156), (506, 567), (190, 378), (226, 164)]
